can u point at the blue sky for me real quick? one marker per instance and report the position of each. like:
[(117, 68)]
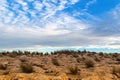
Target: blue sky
[(42, 24)]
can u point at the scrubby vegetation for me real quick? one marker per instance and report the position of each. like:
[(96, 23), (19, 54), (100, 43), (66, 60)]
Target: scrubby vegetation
[(3, 66), (72, 63), (73, 70), (26, 68), (89, 63), (55, 62)]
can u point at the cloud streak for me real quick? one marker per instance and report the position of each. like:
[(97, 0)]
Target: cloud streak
[(31, 23), (35, 27), (89, 3)]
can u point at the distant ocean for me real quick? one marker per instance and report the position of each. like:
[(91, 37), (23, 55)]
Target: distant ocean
[(44, 50)]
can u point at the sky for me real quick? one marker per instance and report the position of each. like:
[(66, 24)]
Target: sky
[(60, 24)]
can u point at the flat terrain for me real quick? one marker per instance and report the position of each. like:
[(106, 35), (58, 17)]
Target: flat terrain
[(59, 65)]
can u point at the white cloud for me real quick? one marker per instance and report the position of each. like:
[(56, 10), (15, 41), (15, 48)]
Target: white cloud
[(57, 30), (22, 2), (74, 1), (3, 4), (110, 24), (38, 5), (89, 3), (47, 28), (20, 9)]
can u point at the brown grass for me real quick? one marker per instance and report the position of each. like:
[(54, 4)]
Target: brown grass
[(116, 70)]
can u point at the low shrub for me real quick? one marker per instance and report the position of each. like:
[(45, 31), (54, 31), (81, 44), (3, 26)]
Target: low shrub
[(3, 66), (118, 58), (97, 59), (55, 62), (73, 70), (89, 63), (26, 68)]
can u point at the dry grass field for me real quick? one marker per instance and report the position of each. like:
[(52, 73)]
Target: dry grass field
[(59, 65)]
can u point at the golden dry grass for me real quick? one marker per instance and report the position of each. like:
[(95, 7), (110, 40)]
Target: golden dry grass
[(59, 65)]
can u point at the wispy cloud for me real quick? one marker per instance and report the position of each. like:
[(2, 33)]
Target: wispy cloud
[(31, 23), (88, 4), (37, 25), (110, 25)]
